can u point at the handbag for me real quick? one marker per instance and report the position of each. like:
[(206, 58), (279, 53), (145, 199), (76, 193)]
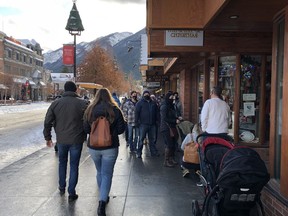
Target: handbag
[(173, 131), (191, 153)]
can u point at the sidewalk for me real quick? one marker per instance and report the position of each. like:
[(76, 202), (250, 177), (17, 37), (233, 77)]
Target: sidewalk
[(140, 187)]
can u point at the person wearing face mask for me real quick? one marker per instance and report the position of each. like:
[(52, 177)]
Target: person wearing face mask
[(178, 105), (129, 115), (146, 117), (169, 120)]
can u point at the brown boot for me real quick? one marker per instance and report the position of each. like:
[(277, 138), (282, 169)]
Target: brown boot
[(167, 161), (172, 160)]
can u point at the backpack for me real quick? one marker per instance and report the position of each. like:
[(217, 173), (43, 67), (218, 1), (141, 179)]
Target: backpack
[(100, 135)]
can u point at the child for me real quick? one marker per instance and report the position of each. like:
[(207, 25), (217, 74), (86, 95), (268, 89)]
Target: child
[(191, 137)]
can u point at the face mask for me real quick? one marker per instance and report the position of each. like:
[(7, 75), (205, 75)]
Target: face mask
[(134, 97), (146, 97), (170, 101)]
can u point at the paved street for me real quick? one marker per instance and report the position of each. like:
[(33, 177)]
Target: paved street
[(21, 131)]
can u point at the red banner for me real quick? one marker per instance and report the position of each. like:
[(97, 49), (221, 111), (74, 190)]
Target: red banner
[(68, 54)]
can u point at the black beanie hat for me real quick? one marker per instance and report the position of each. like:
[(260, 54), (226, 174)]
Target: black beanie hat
[(146, 91), (70, 86), (167, 96)]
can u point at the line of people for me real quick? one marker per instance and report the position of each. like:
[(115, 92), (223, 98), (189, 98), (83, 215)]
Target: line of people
[(71, 117)]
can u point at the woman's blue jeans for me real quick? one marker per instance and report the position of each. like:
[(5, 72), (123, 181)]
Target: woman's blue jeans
[(104, 161), (75, 154)]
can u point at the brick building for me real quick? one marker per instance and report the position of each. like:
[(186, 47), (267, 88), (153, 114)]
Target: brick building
[(21, 69)]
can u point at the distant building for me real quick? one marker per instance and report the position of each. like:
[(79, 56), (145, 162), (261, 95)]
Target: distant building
[(21, 69)]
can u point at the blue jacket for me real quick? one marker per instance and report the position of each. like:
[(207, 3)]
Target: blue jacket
[(146, 112)]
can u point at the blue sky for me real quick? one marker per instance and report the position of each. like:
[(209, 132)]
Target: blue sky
[(45, 20)]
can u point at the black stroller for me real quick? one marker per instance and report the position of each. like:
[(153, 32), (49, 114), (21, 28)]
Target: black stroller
[(232, 178)]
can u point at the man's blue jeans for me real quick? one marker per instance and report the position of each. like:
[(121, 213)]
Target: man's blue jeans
[(151, 131), (133, 137), (75, 153), (104, 161)]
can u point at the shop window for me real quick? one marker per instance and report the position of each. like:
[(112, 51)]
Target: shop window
[(226, 80), (200, 88), (279, 96), (249, 114), (267, 97), (211, 73)]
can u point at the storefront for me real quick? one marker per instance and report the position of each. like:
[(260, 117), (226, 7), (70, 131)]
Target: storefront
[(245, 51)]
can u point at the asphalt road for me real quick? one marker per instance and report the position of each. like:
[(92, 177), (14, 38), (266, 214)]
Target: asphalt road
[(20, 135)]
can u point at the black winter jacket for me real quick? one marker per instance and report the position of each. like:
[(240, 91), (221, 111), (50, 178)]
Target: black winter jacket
[(66, 116), (168, 116), (117, 127), (146, 112)]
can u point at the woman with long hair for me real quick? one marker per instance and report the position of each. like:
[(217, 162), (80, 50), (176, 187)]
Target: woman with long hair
[(104, 157)]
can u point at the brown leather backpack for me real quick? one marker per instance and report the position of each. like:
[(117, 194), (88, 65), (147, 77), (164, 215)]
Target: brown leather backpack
[(100, 135)]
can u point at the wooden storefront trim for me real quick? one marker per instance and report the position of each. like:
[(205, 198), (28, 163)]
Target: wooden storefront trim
[(284, 141), (216, 42)]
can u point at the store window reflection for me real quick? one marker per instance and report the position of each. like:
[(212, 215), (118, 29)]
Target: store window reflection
[(250, 90), (226, 80), (279, 94), (211, 73), (200, 87)]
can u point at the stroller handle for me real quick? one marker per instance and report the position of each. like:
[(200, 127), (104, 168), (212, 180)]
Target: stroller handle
[(223, 136)]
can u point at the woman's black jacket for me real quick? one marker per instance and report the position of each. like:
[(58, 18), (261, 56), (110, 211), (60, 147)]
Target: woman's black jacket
[(168, 116)]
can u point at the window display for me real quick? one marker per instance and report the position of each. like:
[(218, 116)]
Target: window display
[(250, 75), (226, 80)]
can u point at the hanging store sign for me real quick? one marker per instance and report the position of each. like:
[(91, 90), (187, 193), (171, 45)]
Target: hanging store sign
[(68, 54), (157, 78), (61, 77), (153, 84), (184, 38)]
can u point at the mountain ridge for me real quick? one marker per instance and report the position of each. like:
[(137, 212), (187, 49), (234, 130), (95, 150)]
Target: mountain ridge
[(124, 47)]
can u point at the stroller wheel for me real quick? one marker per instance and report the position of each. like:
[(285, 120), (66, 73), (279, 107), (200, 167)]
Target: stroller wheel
[(195, 208)]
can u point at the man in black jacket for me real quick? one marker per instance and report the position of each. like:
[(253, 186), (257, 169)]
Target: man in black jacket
[(66, 116), (146, 117)]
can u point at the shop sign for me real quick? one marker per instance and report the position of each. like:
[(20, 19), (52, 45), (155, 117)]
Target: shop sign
[(249, 97), (61, 77), (153, 84), (158, 78), (184, 38)]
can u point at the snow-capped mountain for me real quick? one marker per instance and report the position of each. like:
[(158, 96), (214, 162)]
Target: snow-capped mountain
[(124, 47)]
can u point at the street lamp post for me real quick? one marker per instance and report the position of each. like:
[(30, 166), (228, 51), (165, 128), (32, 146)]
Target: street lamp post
[(75, 27)]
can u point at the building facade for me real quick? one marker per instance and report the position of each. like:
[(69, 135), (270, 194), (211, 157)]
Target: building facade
[(241, 46), (21, 70)]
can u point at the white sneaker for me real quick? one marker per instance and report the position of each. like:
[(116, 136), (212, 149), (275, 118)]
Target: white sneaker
[(185, 172)]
